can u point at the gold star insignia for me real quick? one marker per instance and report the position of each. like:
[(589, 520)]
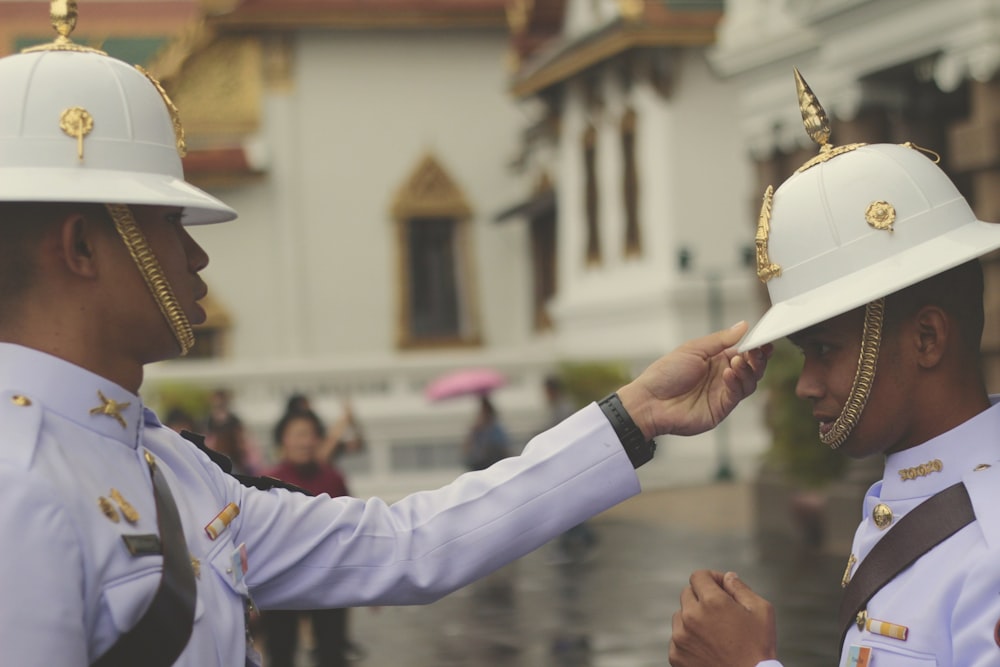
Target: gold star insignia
[(111, 408)]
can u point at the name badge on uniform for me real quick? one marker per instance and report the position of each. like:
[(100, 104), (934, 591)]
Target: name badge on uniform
[(143, 545), (858, 656), (238, 561)]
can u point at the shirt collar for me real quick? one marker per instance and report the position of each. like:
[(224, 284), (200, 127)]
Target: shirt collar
[(942, 461), (83, 397)]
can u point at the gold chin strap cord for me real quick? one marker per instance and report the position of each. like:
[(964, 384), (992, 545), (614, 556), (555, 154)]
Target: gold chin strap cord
[(864, 377), (152, 273)]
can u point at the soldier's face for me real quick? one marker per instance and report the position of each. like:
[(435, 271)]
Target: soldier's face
[(830, 353), (179, 255)]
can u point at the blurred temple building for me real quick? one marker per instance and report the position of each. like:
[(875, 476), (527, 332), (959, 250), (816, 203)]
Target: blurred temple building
[(426, 185)]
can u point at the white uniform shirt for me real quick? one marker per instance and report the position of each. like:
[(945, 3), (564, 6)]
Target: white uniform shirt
[(69, 586), (949, 600)]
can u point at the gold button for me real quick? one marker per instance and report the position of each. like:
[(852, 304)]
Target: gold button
[(882, 515), (19, 400), (981, 466)]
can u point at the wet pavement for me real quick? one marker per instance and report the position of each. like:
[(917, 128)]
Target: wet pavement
[(614, 609)]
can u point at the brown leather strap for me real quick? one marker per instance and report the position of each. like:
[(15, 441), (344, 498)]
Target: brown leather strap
[(930, 523), (160, 636)]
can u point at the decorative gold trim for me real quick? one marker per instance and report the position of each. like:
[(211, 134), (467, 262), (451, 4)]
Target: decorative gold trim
[(936, 158), (766, 269), (880, 215), (77, 123), (828, 152), (864, 377), (20, 400), (430, 191), (631, 10), (518, 14), (152, 273), (846, 579), (175, 116), (922, 470)]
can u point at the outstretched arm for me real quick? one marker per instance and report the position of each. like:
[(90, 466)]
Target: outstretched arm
[(693, 388)]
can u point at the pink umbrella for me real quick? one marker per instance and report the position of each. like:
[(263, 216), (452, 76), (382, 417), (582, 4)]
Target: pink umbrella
[(464, 382)]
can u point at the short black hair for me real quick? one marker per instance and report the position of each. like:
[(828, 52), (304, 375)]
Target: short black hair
[(292, 415)]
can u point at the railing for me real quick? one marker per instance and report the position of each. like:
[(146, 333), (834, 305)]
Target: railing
[(412, 443)]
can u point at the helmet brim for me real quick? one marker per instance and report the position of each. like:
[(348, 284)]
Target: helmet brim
[(890, 275), (101, 186)]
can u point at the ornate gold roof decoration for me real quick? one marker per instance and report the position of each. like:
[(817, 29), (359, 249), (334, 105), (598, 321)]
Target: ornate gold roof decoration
[(817, 125), (63, 14), (518, 14), (631, 10)]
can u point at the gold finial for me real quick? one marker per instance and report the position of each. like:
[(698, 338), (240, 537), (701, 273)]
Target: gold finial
[(63, 14), (817, 125), (813, 116)]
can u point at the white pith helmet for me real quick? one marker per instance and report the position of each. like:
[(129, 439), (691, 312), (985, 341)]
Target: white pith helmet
[(855, 225), (130, 151)]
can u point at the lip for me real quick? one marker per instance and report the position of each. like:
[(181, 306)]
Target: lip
[(825, 422)]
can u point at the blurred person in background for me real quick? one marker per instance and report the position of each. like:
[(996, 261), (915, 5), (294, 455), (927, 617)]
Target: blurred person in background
[(487, 441), (299, 435)]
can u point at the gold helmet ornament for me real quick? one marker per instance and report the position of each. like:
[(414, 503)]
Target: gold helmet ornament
[(79, 126), (854, 224)]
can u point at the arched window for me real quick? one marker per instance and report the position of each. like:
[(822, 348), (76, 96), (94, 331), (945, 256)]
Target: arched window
[(436, 287)]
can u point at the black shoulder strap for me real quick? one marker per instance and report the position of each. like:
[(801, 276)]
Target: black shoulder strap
[(930, 523), (160, 636), (263, 483)]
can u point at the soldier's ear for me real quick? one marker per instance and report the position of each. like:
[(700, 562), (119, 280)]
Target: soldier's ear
[(933, 327), (78, 238)]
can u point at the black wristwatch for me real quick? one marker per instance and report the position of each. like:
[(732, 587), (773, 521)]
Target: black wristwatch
[(639, 449)]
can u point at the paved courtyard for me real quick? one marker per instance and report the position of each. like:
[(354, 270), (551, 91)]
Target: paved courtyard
[(614, 609)]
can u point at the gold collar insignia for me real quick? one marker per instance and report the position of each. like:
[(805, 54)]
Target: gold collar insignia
[(111, 408)]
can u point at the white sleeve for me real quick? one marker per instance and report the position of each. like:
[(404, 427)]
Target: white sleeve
[(322, 552)]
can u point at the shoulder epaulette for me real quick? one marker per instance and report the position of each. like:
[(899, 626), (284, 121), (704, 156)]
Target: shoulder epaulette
[(21, 417), (263, 483), (984, 492)]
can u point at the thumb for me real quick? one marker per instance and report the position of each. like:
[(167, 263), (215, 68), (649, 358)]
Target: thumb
[(719, 341), (738, 590)]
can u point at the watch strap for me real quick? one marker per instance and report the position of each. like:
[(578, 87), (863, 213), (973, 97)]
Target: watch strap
[(639, 449)]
